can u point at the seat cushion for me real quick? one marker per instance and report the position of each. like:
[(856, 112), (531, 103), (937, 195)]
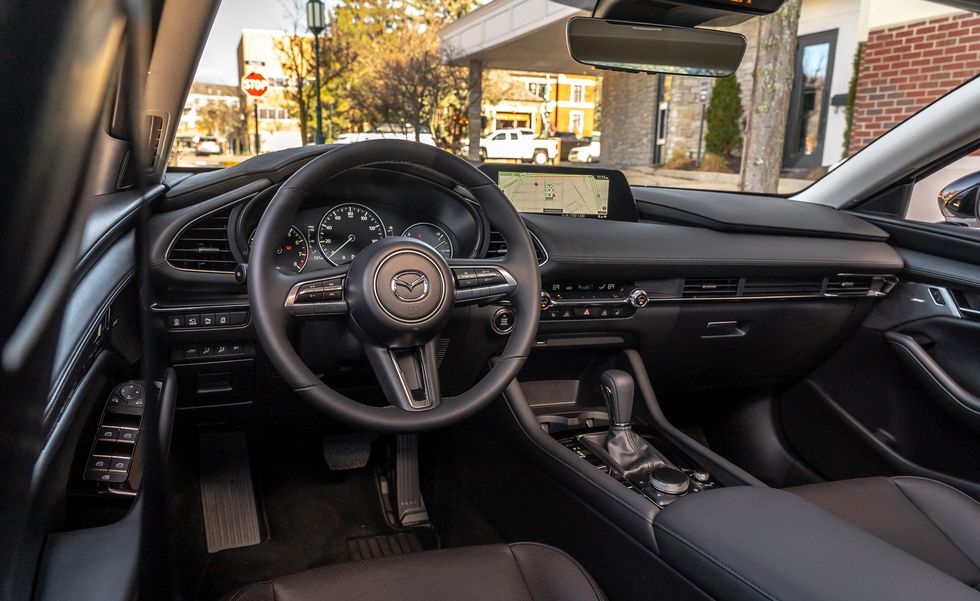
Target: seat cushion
[(927, 519), (517, 572)]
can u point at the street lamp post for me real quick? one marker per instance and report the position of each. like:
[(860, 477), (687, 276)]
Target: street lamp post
[(316, 22)]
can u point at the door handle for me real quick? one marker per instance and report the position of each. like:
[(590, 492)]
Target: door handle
[(962, 403)]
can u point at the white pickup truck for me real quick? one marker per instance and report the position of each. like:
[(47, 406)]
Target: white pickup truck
[(518, 144)]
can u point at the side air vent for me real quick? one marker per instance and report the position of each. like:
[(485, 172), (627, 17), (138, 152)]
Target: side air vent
[(154, 136), (203, 245), (850, 285), (710, 288), (766, 288), (498, 247)]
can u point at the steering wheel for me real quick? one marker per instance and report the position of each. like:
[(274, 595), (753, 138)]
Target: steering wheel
[(396, 295)]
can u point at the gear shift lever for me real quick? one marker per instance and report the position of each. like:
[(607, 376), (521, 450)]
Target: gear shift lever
[(627, 452), (617, 390)]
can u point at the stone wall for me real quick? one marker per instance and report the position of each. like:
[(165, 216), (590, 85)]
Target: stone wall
[(629, 112)]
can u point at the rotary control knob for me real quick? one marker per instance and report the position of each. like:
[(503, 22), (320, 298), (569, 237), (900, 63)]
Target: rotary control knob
[(669, 481), (639, 298), (546, 301)]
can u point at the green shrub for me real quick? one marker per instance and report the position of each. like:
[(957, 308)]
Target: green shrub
[(852, 97), (725, 117)]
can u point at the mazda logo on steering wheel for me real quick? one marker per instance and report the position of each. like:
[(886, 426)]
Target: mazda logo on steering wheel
[(410, 286)]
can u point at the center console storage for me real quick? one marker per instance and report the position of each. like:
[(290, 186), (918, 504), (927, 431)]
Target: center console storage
[(753, 543)]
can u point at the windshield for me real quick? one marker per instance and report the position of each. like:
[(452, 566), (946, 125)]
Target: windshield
[(449, 74)]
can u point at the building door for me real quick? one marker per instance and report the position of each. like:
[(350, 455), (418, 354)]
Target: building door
[(807, 126)]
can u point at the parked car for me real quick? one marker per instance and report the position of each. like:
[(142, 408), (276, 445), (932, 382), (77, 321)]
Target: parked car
[(207, 145), (569, 140), (586, 154), (516, 144)]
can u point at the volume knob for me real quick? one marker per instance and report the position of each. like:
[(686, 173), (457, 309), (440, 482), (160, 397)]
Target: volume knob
[(639, 298)]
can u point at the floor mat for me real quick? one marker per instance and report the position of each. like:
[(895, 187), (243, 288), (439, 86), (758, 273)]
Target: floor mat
[(310, 514), (372, 547)]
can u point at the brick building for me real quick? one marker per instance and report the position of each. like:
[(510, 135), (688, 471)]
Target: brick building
[(906, 67)]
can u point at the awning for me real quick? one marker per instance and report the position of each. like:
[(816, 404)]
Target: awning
[(520, 35)]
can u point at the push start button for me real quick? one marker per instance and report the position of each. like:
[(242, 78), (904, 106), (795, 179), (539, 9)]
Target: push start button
[(503, 321)]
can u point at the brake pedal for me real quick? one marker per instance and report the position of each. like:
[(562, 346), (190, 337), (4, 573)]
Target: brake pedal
[(347, 451)]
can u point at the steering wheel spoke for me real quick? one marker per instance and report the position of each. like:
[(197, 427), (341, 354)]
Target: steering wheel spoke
[(481, 280), (318, 293), (409, 377)]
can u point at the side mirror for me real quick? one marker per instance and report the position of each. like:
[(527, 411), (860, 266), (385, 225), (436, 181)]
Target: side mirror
[(645, 48), (960, 201)]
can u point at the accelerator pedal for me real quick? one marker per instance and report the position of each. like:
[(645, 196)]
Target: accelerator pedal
[(408, 492), (231, 519)]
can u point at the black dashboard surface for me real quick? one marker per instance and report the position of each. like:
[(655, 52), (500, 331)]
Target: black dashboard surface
[(747, 213)]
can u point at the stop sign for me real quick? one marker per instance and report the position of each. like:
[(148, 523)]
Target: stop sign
[(255, 84)]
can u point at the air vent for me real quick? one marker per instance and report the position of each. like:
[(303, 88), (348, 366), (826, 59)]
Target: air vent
[(710, 288), (154, 136), (203, 245), (498, 247), (850, 285), (782, 287)]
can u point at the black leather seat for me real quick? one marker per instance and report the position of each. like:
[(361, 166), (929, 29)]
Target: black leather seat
[(517, 572), (927, 519)]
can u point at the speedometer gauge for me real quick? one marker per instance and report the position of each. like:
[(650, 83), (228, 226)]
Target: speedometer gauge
[(433, 235), (347, 229), (292, 252)]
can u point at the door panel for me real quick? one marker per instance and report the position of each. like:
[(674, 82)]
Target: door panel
[(902, 397)]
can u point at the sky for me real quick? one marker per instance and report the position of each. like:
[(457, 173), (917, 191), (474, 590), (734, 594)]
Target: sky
[(219, 63)]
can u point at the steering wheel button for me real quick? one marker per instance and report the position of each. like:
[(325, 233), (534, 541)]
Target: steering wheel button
[(309, 296)]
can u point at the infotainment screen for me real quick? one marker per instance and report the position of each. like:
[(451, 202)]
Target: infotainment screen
[(565, 191), (568, 194)]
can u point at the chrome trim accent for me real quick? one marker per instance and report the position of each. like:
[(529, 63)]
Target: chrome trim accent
[(541, 246)]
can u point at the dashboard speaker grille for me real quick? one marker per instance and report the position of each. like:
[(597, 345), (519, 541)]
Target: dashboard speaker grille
[(498, 247), (203, 245)]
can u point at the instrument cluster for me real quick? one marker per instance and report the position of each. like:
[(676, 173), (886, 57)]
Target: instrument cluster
[(334, 233)]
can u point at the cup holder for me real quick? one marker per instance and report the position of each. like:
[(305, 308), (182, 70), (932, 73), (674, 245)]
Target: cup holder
[(580, 420)]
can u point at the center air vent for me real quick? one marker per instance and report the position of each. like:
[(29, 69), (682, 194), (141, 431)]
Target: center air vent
[(850, 285), (782, 287), (710, 288), (498, 247), (203, 245)]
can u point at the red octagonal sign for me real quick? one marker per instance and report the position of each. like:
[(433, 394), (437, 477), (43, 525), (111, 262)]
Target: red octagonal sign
[(255, 84)]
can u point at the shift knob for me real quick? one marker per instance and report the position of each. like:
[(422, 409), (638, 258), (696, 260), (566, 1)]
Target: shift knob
[(617, 390)]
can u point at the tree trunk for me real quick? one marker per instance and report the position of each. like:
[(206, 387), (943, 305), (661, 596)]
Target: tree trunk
[(765, 132)]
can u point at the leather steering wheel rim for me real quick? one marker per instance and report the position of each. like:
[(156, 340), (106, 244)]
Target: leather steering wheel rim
[(267, 287)]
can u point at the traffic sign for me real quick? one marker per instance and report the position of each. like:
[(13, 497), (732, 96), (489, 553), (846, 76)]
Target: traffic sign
[(255, 84)]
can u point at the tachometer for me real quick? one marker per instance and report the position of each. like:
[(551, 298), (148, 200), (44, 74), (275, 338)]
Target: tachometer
[(433, 235), (292, 252), (347, 229)]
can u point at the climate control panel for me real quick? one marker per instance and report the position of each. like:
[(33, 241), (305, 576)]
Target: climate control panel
[(591, 300)]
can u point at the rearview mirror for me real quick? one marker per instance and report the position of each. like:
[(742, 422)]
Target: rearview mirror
[(641, 47)]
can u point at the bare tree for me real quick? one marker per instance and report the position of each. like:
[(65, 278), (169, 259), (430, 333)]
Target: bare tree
[(765, 132)]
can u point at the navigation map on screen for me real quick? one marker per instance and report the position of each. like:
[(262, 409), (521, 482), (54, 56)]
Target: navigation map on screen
[(571, 194)]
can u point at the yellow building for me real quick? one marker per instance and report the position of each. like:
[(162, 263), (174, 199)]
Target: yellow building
[(544, 102)]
